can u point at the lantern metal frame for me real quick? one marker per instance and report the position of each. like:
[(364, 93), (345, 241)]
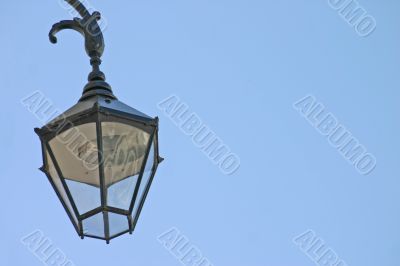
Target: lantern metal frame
[(98, 104)]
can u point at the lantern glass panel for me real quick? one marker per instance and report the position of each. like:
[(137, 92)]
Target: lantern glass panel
[(148, 171), (76, 153), (77, 156), (120, 194), (86, 197), (51, 170), (94, 225), (118, 223), (124, 150)]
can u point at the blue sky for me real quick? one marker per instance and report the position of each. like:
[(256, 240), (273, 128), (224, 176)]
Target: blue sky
[(240, 66)]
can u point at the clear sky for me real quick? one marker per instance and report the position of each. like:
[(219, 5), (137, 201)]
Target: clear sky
[(240, 66)]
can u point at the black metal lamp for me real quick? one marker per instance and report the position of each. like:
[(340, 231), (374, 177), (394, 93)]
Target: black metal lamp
[(101, 155)]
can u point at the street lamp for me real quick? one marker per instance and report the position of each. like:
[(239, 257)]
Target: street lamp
[(101, 155)]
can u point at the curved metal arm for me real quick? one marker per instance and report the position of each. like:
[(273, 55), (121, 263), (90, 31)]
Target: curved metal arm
[(94, 45), (79, 7), (87, 26), (63, 25)]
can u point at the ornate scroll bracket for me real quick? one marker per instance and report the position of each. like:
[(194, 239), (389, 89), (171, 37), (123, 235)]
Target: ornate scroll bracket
[(94, 45), (90, 30)]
